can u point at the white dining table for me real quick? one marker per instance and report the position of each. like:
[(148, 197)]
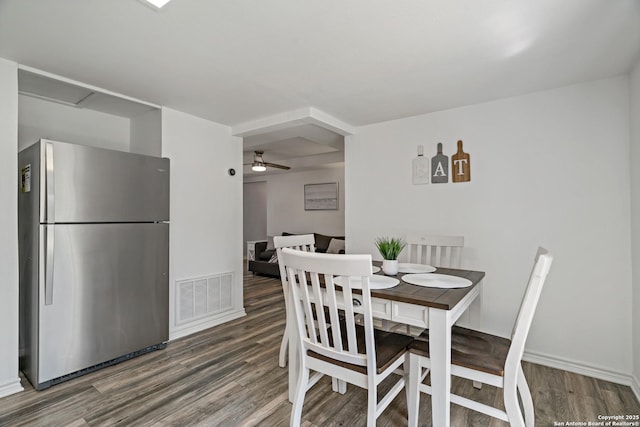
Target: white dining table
[(423, 307)]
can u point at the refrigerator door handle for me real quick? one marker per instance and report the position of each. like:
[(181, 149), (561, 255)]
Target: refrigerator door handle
[(49, 235), (48, 265), (50, 184)]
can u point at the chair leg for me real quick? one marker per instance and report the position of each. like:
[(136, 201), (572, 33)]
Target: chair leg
[(413, 387), (301, 390), (339, 386), (282, 360), (527, 402), (372, 405), (511, 404)]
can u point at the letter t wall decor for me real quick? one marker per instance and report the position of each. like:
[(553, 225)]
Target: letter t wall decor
[(460, 166)]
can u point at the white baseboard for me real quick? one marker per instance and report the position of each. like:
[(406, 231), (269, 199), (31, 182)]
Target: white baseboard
[(578, 368), (10, 387), (635, 386), (209, 323)]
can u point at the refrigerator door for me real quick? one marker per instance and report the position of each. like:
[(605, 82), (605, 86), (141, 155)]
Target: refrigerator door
[(109, 294), (86, 184)]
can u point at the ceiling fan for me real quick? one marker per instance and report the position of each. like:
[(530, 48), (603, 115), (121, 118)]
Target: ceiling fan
[(260, 165)]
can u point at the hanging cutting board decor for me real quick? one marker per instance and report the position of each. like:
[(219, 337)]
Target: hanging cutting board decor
[(439, 167), (460, 166), (420, 168)]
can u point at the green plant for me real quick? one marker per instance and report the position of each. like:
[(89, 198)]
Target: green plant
[(390, 247)]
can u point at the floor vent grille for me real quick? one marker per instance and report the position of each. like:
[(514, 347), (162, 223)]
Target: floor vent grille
[(203, 297)]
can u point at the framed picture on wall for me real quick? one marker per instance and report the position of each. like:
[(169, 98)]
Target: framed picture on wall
[(321, 197)]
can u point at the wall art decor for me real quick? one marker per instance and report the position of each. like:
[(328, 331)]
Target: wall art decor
[(321, 197), (420, 168), (440, 167), (460, 165)]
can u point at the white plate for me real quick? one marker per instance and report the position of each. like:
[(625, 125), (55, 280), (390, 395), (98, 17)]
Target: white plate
[(436, 280), (375, 268), (375, 282), (404, 267)]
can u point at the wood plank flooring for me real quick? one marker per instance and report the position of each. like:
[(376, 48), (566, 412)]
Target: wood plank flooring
[(229, 376)]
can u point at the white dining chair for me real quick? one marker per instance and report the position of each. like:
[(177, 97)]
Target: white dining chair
[(486, 358), (339, 347), (438, 251), (303, 242)]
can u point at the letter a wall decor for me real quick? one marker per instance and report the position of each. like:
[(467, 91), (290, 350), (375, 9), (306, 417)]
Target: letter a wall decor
[(440, 167), (460, 170)]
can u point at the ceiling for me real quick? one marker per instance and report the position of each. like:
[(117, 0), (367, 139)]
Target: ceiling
[(360, 61), (301, 147)]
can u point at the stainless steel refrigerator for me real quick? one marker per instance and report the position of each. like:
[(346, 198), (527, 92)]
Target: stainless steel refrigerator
[(94, 258)]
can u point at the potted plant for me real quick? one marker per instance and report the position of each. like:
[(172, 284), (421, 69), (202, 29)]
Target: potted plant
[(390, 248)]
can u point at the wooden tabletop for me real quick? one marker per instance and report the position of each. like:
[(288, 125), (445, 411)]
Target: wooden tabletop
[(444, 299)]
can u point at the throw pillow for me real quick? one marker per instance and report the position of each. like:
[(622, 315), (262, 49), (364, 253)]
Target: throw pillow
[(335, 246), (322, 241), (266, 255), (270, 245), (274, 258)]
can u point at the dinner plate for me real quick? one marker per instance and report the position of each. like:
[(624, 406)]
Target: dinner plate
[(375, 268), (436, 280), (405, 267), (375, 282)]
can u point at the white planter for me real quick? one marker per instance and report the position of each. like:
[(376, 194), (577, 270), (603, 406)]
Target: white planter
[(390, 267)]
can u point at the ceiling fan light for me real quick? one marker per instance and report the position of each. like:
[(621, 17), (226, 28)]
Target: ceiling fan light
[(258, 167)]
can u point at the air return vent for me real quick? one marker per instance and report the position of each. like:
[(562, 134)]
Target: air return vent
[(203, 297)]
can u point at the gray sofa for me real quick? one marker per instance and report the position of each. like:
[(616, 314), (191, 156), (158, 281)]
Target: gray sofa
[(263, 256)]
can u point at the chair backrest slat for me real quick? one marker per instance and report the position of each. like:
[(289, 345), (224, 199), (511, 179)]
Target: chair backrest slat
[(418, 258), (439, 251), (355, 271), (318, 305), (308, 310), (352, 343), (332, 304)]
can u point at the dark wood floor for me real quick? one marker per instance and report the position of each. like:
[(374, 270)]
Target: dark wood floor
[(229, 375)]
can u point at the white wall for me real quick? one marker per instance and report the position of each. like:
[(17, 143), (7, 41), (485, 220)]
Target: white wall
[(285, 203), (9, 380), (50, 120), (549, 168), (254, 209), (635, 219), (206, 203), (146, 133)]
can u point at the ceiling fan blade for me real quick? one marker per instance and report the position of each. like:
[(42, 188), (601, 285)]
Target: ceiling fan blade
[(274, 165)]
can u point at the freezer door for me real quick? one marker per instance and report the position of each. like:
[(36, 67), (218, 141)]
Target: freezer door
[(87, 184), (109, 294)]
